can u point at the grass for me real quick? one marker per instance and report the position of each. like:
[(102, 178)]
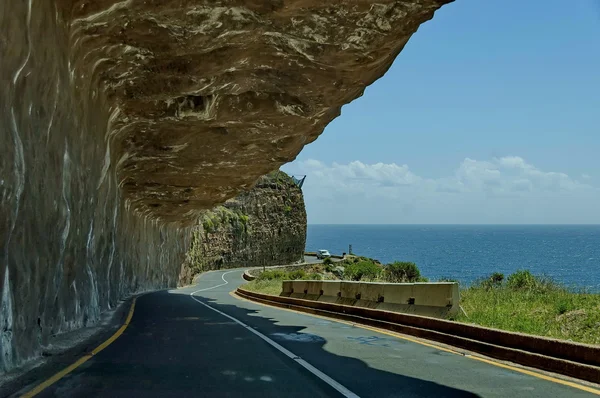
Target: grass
[(267, 286), (533, 305), (522, 303)]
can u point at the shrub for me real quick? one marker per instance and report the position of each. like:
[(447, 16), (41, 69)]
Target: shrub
[(564, 304), (493, 281), (272, 274), (275, 274), (208, 225), (402, 271), (225, 215), (521, 280), (362, 270), (497, 278), (338, 271), (526, 281), (328, 265), (297, 274)]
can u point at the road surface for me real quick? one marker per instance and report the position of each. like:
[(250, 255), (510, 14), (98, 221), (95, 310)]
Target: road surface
[(312, 259), (201, 341)]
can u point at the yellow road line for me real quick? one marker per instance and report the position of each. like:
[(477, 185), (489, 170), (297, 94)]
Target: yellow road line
[(41, 387), (403, 337), (539, 375), (371, 328)]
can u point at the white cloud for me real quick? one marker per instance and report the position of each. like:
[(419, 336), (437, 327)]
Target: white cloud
[(379, 173), (313, 164), (512, 174), (506, 189), (509, 174)]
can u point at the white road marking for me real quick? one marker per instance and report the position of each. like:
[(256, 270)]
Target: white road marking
[(334, 384), (222, 284)]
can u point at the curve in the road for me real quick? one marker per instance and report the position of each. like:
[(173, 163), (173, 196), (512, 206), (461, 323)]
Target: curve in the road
[(175, 347)]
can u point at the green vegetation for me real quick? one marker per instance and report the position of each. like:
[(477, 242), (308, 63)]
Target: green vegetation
[(367, 269), (362, 270), (532, 304), (521, 302), (283, 182), (281, 275), (222, 216), (524, 280), (267, 286), (270, 275), (297, 274), (217, 220), (402, 271)]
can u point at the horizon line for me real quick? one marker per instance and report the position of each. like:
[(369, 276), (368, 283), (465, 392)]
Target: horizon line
[(454, 224)]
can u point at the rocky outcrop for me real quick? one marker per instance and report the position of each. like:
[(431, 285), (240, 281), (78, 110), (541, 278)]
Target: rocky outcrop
[(264, 226), (121, 120)]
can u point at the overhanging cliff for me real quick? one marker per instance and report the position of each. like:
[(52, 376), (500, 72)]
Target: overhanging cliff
[(121, 121)]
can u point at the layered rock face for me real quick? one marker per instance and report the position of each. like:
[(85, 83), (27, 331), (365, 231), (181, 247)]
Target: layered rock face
[(264, 226), (120, 121), (70, 246)]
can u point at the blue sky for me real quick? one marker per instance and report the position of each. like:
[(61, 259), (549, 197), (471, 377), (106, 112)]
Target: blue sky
[(491, 114)]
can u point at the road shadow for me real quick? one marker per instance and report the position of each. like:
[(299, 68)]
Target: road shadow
[(344, 369), (177, 347)]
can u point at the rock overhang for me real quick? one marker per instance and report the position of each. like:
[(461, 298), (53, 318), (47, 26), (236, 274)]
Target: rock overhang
[(205, 97)]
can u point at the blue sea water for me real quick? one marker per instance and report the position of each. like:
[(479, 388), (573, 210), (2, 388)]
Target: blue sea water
[(570, 254)]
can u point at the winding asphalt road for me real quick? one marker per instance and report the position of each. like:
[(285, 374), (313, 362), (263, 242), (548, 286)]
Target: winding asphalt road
[(201, 341)]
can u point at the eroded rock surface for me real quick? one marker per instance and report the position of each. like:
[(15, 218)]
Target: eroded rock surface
[(121, 120), (204, 97)]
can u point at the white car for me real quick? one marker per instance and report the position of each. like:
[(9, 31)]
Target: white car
[(321, 254)]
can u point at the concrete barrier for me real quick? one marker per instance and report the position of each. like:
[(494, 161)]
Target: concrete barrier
[(350, 291), (372, 291), (438, 300), (577, 360), (313, 290), (287, 288), (330, 291), (299, 289)]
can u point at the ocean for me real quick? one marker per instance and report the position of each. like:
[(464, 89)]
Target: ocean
[(570, 254)]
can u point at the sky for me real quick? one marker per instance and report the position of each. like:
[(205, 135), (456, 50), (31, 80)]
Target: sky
[(490, 115)]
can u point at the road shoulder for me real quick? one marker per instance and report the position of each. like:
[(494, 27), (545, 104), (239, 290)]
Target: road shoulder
[(63, 351)]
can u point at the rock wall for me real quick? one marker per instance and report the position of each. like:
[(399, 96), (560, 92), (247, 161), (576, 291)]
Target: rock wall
[(264, 226), (70, 246), (121, 120)]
